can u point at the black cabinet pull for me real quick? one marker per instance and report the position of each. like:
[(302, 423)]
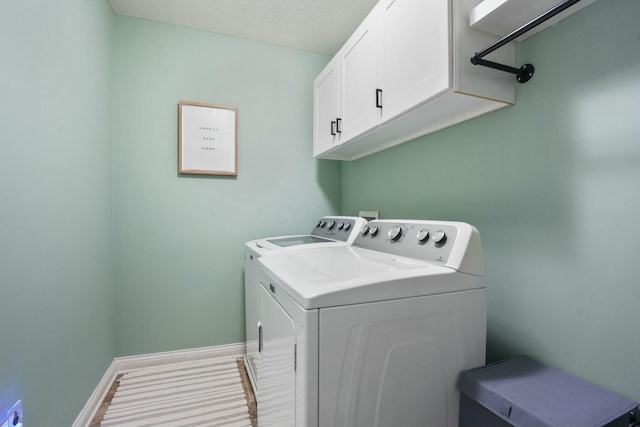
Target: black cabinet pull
[(333, 128), (378, 98), (259, 337), (338, 125)]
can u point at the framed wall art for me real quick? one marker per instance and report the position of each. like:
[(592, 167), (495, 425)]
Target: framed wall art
[(207, 139)]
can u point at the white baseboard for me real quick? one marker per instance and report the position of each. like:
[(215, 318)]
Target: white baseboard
[(125, 364), (131, 363)]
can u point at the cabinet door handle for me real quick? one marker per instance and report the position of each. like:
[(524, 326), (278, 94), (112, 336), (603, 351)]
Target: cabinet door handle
[(333, 128), (259, 337), (338, 125), (378, 98)]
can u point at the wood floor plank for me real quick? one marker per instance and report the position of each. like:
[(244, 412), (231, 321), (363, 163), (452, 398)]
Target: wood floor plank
[(249, 397)]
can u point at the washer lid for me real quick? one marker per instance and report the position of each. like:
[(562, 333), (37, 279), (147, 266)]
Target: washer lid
[(297, 240), (261, 247), (343, 230), (333, 276)]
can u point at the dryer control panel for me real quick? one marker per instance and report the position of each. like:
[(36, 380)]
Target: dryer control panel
[(445, 243)]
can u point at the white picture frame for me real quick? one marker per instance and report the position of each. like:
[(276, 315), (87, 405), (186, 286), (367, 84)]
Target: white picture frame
[(207, 139)]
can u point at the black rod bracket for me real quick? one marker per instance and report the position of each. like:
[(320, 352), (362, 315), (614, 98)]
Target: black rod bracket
[(524, 73)]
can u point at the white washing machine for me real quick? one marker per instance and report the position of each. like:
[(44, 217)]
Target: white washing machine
[(372, 334), (328, 231)]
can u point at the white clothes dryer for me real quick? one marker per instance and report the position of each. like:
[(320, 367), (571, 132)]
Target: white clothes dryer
[(374, 334), (328, 231)]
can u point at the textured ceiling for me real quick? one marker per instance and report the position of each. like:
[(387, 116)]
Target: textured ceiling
[(315, 25)]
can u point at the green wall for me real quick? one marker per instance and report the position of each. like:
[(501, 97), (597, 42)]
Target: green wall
[(552, 185), (105, 249), (179, 239), (57, 330)]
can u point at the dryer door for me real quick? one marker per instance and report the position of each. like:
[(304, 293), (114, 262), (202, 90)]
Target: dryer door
[(276, 374)]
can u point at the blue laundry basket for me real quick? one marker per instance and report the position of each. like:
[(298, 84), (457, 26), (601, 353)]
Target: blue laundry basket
[(523, 392)]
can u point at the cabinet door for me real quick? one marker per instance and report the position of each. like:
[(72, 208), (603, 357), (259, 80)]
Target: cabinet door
[(276, 370), (326, 108), (415, 56), (360, 79)]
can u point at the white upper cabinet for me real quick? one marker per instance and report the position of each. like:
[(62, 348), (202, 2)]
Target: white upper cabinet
[(415, 57), (359, 58), (327, 108), (406, 72)]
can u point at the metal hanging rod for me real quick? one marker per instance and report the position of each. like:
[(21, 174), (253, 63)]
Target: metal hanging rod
[(524, 73)]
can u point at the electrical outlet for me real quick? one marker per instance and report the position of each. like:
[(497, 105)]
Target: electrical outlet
[(369, 215), (14, 415)]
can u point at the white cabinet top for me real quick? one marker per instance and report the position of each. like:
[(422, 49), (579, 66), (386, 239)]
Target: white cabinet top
[(502, 17)]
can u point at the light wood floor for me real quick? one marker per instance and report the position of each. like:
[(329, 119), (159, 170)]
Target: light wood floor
[(105, 403), (248, 392), (246, 385)]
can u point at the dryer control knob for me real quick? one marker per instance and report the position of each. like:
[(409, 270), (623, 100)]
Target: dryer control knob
[(373, 231), (423, 235), (365, 230), (439, 237), (347, 226), (340, 225), (395, 232), (318, 224), (322, 223), (331, 224)]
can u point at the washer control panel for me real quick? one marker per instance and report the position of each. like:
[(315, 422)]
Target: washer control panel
[(431, 241), (337, 228)]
